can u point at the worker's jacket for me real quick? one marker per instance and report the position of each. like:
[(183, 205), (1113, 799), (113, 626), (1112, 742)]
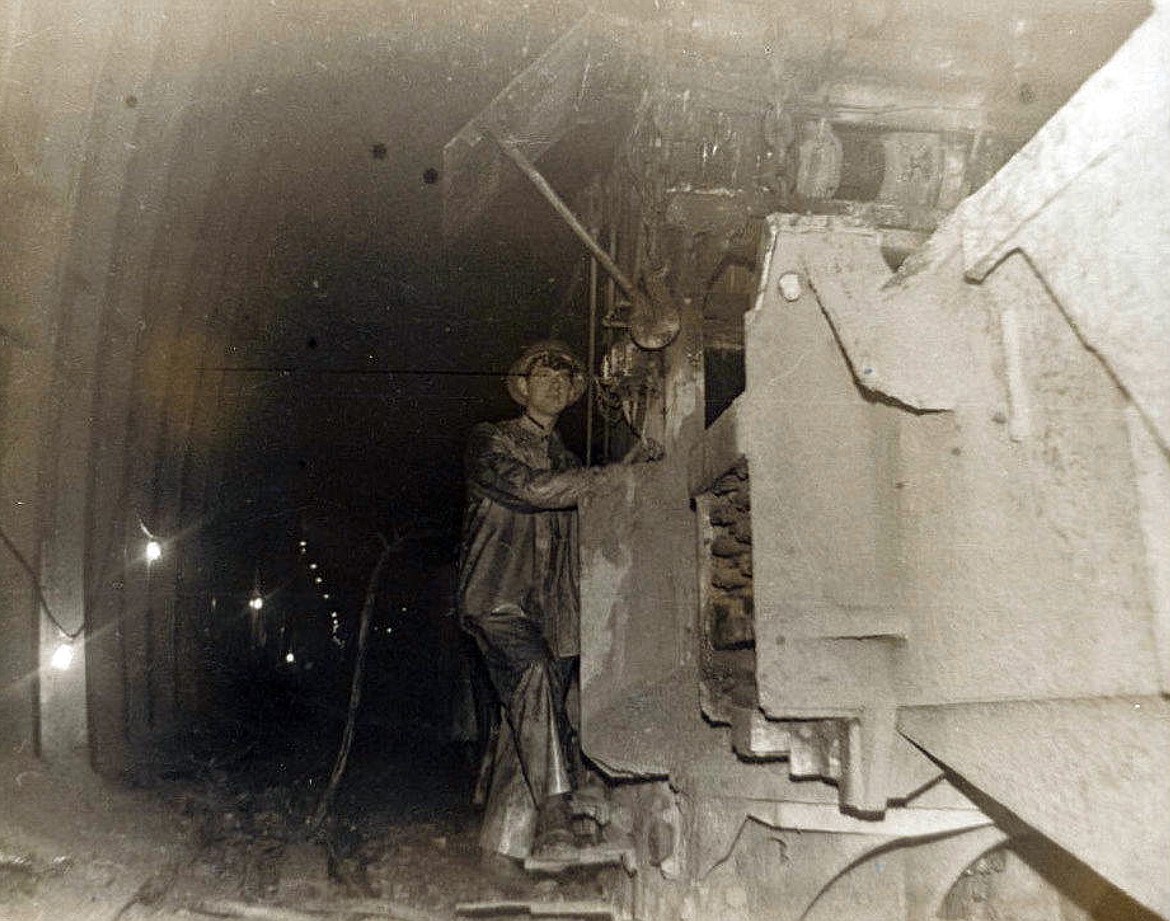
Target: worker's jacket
[(520, 530)]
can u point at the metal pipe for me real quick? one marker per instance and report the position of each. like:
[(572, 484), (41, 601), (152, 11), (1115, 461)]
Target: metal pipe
[(550, 195), (610, 299), (591, 359)]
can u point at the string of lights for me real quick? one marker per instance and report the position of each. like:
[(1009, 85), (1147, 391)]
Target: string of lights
[(62, 656), (318, 581)]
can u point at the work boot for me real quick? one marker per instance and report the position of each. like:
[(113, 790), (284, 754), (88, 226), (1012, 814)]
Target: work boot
[(554, 827)]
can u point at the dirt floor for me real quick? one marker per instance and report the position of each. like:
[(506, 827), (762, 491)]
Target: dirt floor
[(225, 831)]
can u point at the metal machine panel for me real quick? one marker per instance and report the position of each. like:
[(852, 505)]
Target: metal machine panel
[(1000, 550)]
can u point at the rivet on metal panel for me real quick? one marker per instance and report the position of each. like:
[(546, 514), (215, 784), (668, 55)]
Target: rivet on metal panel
[(790, 287)]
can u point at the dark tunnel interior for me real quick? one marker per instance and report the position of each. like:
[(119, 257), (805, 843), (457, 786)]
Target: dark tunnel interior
[(363, 344)]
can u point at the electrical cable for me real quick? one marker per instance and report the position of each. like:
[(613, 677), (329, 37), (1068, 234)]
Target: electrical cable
[(355, 693), (40, 593)]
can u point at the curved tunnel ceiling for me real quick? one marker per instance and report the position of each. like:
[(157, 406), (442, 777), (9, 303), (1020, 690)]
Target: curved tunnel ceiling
[(271, 225)]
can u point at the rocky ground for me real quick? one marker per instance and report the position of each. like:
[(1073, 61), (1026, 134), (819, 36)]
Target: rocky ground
[(225, 830)]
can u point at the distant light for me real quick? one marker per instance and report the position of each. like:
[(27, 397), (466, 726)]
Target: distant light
[(318, 580), (153, 550), (256, 603), (62, 657), (325, 597), (289, 657), (389, 629), (312, 565), (304, 543)]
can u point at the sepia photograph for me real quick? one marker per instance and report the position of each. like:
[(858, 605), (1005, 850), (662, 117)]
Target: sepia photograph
[(592, 460)]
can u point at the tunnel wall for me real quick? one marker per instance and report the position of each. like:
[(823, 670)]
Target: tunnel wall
[(103, 335)]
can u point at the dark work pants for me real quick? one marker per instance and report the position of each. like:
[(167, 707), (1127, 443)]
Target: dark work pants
[(532, 754)]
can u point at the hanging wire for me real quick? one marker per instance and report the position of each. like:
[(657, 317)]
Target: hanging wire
[(40, 593)]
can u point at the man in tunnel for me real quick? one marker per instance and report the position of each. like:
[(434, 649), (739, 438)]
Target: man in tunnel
[(518, 597)]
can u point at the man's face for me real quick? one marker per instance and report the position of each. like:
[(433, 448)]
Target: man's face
[(549, 389)]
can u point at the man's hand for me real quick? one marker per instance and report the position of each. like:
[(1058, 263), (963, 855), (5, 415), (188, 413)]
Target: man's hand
[(645, 451)]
